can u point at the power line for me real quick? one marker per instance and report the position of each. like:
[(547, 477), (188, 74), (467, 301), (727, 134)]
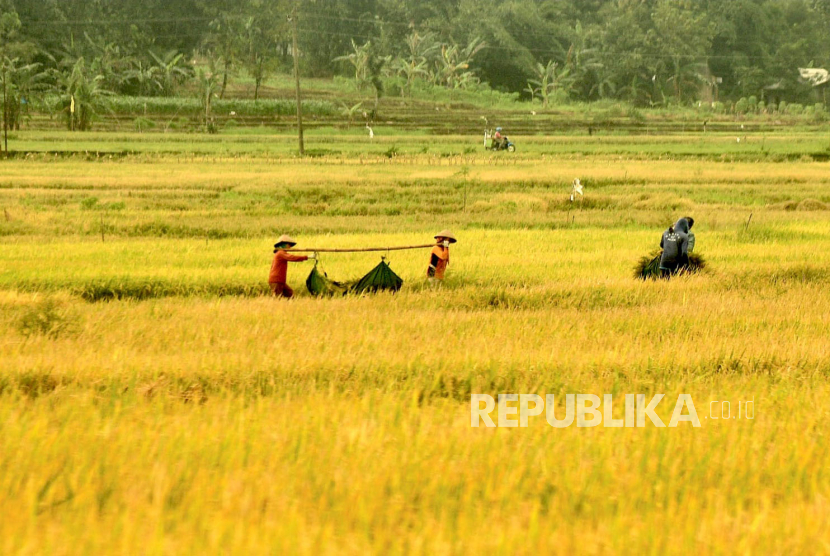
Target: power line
[(380, 22), (318, 32), (89, 23), (551, 51)]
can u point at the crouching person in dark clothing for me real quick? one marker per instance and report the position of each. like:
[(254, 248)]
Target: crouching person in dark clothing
[(690, 222), (675, 244)]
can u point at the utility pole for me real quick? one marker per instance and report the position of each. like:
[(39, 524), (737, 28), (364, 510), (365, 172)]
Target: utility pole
[(5, 113), (295, 51)]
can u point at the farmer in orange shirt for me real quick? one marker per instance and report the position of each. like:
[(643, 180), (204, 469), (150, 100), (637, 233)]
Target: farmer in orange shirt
[(279, 268), (439, 258)]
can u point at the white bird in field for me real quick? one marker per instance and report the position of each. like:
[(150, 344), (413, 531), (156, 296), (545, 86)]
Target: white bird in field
[(576, 189), (371, 132)]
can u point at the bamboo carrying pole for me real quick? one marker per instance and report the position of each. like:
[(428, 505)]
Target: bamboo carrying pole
[(364, 249)]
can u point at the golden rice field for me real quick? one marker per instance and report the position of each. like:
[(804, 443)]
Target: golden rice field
[(154, 399)]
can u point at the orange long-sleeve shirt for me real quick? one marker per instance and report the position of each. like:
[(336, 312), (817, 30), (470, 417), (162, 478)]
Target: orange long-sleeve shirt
[(279, 268), (439, 258)]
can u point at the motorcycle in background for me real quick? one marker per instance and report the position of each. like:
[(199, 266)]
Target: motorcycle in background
[(491, 144)]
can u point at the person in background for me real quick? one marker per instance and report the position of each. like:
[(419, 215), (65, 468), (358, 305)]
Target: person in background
[(279, 268), (439, 257), (691, 222), (498, 138), (675, 245)]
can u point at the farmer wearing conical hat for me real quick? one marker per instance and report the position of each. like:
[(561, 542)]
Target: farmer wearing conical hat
[(439, 258), (279, 268)]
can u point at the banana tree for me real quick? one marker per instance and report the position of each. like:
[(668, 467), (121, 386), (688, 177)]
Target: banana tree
[(549, 79), (584, 66), (23, 83), (531, 90), (350, 111), (208, 89), (368, 67), (107, 60), (604, 86), (80, 95), (637, 91), (422, 48), (224, 40), (259, 41), (359, 59), (145, 77), (410, 70), (171, 70), (686, 77), (453, 65)]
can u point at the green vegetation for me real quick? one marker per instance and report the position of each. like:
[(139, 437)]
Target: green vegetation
[(711, 60), (756, 143), (241, 107)]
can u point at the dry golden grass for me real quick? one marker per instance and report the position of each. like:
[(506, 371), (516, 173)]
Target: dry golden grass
[(197, 415)]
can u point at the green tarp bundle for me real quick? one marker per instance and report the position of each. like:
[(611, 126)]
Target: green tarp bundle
[(319, 285), (380, 278), (649, 265)]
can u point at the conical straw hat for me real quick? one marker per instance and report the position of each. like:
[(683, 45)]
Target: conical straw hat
[(447, 234), (285, 238)]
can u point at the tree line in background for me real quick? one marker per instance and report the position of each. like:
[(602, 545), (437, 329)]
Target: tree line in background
[(647, 52)]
